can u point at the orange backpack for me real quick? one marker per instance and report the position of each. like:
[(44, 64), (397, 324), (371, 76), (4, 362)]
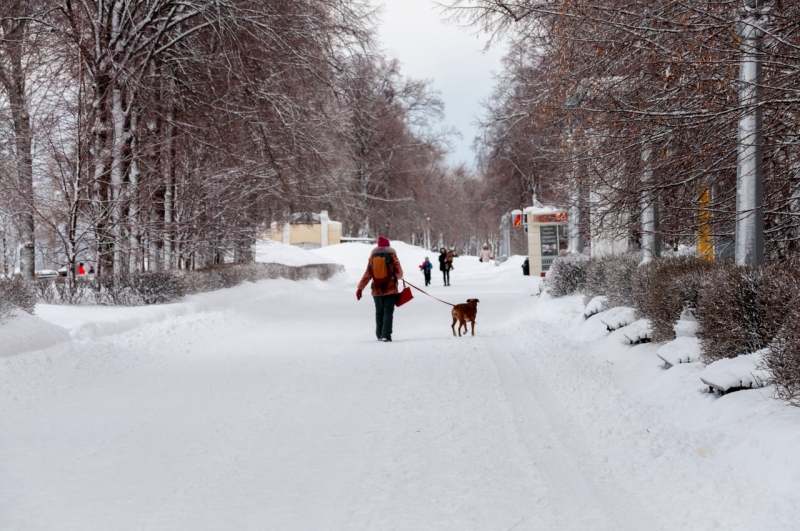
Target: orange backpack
[(382, 268)]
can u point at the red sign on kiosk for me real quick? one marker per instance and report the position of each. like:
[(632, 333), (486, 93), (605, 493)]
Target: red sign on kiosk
[(550, 218)]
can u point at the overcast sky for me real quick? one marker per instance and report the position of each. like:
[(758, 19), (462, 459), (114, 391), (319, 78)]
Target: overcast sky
[(413, 32)]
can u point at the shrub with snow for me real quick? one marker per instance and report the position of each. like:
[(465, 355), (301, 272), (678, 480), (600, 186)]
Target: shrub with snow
[(619, 278), (742, 309), (595, 282), (783, 358), (16, 293), (665, 288), (643, 286), (567, 274), (727, 312), (157, 287)]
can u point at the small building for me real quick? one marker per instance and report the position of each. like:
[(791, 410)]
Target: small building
[(307, 230), (547, 236)]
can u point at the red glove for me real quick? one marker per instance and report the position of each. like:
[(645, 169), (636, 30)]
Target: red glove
[(358, 294)]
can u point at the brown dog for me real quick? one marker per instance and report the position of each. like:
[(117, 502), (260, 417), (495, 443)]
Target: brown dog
[(463, 313)]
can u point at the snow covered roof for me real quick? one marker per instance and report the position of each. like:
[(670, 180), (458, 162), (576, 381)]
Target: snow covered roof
[(542, 210)]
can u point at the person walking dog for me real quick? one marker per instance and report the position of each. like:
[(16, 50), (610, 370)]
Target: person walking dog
[(426, 270), (383, 268)]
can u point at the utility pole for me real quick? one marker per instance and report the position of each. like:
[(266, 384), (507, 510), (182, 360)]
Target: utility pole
[(750, 164)]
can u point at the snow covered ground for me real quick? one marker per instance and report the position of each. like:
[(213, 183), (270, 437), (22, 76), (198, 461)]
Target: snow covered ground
[(271, 406)]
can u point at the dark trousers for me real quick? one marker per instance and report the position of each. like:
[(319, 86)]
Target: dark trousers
[(427, 277), (446, 274), (384, 313)]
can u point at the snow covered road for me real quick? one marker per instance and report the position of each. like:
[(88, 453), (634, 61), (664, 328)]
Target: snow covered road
[(278, 410)]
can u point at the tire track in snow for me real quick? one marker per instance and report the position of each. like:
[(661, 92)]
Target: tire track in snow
[(580, 499)]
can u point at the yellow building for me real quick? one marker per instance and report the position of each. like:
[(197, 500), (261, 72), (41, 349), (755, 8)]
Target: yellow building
[(307, 230)]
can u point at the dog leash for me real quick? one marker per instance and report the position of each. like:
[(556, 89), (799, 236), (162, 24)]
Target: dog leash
[(426, 293)]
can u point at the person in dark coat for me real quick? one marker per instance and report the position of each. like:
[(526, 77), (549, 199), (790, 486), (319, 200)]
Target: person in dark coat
[(426, 270), (383, 293), (444, 267)]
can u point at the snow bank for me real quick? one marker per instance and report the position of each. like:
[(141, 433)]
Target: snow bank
[(595, 306), (636, 332), (616, 318), (748, 433), (742, 372), (683, 349), (25, 333), (272, 252), (86, 322)]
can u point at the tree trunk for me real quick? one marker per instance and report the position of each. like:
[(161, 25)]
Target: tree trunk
[(14, 81)]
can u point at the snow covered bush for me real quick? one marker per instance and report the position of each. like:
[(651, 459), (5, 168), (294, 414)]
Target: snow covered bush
[(139, 289), (642, 288), (619, 278), (567, 274), (783, 358), (727, 312), (75, 292), (594, 284), (157, 287), (112, 291), (742, 309), (16, 293), (664, 288), (46, 290)]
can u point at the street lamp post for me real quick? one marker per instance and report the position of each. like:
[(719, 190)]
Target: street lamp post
[(750, 168), (650, 248), (505, 243)]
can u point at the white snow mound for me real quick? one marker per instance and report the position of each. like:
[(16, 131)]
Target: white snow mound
[(272, 252), (25, 333), (680, 350), (636, 332), (595, 305), (616, 318), (745, 371)]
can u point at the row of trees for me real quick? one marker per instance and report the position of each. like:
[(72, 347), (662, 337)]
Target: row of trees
[(157, 134), (623, 108)]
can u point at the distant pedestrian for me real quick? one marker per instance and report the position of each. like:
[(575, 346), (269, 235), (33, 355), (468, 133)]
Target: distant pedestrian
[(81, 270), (426, 270), (486, 254), (383, 268), (91, 270), (444, 267)]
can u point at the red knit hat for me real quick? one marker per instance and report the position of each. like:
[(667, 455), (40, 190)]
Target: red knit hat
[(383, 242)]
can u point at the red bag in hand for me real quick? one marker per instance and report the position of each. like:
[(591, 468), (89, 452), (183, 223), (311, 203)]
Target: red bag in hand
[(404, 296)]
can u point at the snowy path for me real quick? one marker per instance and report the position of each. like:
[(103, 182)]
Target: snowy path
[(281, 412)]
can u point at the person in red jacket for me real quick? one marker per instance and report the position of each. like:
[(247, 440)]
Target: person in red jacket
[(81, 270), (383, 268)]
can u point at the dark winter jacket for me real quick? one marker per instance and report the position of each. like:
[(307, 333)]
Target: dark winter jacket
[(390, 288), (442, 265)]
